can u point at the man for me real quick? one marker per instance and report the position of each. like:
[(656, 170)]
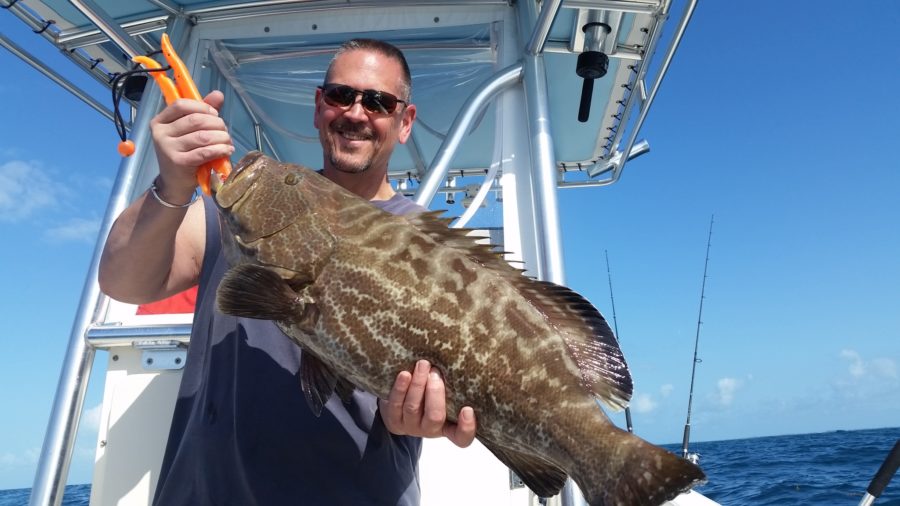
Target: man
[(242, 432)]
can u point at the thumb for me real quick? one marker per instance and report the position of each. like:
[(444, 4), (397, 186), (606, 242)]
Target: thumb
[(215, 99), (463, 432)]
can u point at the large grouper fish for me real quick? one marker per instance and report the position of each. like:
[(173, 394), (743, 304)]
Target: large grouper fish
[(366, 294)]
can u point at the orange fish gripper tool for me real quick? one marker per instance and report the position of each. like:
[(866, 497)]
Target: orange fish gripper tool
[(181, 85)]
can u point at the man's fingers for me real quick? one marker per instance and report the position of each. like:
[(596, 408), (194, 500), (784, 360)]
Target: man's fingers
[(203, 139), (412, 405), (195, 122), (462, 433), (417, 406), (392, 408), (435, 410), (183, 107), (205, 154)]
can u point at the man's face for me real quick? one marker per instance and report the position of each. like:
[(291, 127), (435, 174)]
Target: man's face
[(353, 139)]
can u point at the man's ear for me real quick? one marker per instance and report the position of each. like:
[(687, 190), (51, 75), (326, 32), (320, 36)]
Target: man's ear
[(406, 123), (316, 112)]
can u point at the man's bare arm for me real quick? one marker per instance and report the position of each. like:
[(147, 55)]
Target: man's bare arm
[(154, 251)]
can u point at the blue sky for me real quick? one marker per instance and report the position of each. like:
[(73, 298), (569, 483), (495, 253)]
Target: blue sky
[(780, 119)]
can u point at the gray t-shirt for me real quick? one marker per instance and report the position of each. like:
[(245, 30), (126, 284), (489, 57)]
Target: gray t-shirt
[(242, 432)]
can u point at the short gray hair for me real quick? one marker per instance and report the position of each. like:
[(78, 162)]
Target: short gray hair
[(383, 48)]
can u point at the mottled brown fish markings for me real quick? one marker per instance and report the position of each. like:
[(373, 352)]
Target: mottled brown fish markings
[(366, 294)]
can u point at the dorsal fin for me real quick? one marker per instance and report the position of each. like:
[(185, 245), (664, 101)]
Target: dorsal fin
[(432, 224), (588, 338)]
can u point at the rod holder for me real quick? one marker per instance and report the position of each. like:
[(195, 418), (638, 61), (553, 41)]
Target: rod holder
[(592, 64)]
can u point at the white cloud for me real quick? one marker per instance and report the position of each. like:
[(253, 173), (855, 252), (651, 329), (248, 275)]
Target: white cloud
[(878, 368), (76, 229), (643, 403), (90, 419), (857, 367), (725, 390), (666, 389), (25, 188), (884, 368)]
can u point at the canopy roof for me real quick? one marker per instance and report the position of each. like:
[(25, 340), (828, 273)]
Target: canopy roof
[(268, 56)]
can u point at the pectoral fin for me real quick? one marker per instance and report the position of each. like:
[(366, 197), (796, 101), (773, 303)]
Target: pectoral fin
[(543, 477), (252, 291)]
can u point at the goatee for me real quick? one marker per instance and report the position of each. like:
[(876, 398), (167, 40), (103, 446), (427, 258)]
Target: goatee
[(349, 168)]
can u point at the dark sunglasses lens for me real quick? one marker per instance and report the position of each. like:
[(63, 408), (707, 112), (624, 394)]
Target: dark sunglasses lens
[(373, 101), (341, 96), (378, 101)]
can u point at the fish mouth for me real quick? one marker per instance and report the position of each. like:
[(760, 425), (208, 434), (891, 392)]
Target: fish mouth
[(226, 193), (215, 183)]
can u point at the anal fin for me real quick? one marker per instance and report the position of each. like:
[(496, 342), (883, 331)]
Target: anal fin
[(540, 475)]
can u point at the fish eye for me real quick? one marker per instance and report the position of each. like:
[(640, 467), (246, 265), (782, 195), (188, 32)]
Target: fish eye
[(292, 178)]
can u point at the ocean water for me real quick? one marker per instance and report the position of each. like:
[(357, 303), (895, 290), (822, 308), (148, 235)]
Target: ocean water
[(75, 495), (829, 468)]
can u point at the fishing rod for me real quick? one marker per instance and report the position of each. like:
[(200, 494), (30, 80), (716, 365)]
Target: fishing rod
[(616, 329), (687, 424), (883, 476)]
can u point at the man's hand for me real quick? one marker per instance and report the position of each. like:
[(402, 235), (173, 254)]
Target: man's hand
[(417, 406), (187, 134)]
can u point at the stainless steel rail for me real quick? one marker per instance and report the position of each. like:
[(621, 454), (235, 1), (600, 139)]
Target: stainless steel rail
[(549, 10), (104, 337), (543, 158), (108, 26), (636, 6), (480, 97)]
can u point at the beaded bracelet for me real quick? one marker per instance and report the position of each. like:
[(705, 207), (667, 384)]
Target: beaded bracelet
[(153, 191)]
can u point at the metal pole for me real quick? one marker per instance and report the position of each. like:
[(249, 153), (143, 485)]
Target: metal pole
[(502, 80), (640, 7), (542, 28), (109, 26), (550, 258), (110, 336)]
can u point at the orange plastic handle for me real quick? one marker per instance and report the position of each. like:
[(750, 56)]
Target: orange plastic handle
[(187, 89), (166, 85), (183, 81)]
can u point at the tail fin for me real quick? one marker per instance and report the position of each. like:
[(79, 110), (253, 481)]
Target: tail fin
[(637, 473)]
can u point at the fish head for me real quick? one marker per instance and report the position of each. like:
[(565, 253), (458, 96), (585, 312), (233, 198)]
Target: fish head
[(271, 212)]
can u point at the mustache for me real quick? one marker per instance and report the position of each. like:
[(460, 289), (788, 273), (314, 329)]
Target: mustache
[(353, 128)]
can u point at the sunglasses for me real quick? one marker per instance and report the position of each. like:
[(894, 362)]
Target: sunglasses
[(374, 101)]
